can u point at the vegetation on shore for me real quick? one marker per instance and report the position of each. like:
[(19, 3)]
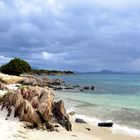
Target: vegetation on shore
[(49, 72), (18, 66)]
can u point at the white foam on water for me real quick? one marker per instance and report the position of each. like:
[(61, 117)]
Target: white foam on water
[(116, 129), (120, 129)]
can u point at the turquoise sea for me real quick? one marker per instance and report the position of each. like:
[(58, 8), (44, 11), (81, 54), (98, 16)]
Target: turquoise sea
[(116, 98)]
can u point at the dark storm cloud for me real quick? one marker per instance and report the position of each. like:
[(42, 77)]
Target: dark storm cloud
[(71, 34)]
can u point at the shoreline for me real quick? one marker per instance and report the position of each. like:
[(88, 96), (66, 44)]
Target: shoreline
[(12, 129), (79, 132), (116, 129)]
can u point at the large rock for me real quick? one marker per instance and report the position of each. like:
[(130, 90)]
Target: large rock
[(8, 79), (45, 105), (22, 108), (60, 114), (36, 105), (29, 114)]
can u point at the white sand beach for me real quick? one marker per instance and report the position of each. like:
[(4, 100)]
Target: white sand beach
[(11, 129)]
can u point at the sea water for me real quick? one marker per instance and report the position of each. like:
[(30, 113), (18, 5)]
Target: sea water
[(116, 98)]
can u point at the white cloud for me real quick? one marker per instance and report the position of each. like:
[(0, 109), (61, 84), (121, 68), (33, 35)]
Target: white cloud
[(48, 56), (4, 59), (53, 56)]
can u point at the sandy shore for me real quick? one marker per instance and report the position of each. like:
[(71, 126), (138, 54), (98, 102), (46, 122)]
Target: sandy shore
[(79, 132), (12, 129)]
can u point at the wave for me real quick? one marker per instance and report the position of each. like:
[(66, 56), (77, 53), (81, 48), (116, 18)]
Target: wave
[(116, 129)]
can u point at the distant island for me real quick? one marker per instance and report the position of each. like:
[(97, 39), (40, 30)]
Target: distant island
[(109, 72)]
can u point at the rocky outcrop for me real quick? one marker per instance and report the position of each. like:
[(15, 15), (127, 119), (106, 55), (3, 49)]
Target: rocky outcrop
[(55, 84), (8, 79), (42, 81), (36, 105)]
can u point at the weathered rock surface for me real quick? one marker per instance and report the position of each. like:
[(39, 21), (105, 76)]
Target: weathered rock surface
[(36, 105), (8, 79), (61, 115), (32, 81)]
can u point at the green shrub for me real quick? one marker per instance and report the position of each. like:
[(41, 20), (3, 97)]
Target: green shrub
[(15, 67)]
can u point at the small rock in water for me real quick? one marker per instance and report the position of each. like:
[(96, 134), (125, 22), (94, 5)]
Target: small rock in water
[(72, 113), (80, 120), (81, 89), (69, 88), (58, 88), (105, 124), (86, 88), (92, 87)]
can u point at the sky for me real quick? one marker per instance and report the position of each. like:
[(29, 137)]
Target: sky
[(78, 35)]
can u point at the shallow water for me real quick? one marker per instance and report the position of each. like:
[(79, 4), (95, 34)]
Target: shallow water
[(116, 97)]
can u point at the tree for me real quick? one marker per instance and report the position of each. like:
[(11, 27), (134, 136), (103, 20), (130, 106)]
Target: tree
[(15, 67)]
